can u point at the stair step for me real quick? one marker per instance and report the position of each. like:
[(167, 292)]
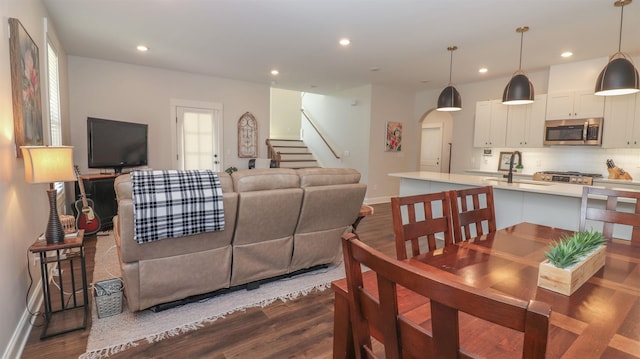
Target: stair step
[(292, 149), (287, 143), (297, 157)]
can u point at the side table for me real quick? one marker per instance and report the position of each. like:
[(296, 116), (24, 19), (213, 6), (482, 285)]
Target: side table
[(71, 251)]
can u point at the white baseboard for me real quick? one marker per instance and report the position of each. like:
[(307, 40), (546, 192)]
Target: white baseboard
[(21, 334)]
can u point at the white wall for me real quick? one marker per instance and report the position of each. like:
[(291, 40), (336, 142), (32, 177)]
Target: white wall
[(354, 121), (23, 207), (285, 114), (389, 104), (344, 120), (131, 93)]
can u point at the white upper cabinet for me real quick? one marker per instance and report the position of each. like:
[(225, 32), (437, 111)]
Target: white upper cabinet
[(621, 128), (525, 123), (574, 104), (490, 124)]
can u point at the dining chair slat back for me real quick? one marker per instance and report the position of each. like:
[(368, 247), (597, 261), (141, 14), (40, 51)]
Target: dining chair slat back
[(422, 221), (472, 208), (375, 311), (611, 214)]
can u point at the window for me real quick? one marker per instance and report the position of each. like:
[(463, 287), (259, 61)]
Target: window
[(55, 123)]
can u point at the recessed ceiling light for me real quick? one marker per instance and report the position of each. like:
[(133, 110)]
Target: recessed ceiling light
[(275, 72), (483, 70), (142, 48), (566, 54), (344, 41), (374, 69)]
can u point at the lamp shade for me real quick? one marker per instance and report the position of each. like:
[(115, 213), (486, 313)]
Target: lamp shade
[(619, 77), (519, 90), (449, 99), (44, 164)]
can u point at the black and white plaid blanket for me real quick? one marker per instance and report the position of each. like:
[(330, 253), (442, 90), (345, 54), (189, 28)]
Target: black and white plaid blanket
[(171, 203)]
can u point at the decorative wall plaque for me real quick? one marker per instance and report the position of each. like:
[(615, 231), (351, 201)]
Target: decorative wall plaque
[(247, 136)]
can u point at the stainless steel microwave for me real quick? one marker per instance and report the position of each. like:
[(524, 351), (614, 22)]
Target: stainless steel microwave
[(586, 131)]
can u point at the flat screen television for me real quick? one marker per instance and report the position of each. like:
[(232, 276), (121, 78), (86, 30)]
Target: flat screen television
[(116, 144)]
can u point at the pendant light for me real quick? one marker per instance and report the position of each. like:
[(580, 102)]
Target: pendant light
[(449, 99), (619, 76), (519, 90)]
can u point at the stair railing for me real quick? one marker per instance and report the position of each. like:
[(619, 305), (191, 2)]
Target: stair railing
[(272, 153), (319, 134)]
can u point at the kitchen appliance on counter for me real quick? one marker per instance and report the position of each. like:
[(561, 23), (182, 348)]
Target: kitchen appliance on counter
[(566, 177), (573, 132)]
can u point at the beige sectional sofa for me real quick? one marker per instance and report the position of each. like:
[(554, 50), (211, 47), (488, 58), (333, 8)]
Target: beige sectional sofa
[(277, 221)]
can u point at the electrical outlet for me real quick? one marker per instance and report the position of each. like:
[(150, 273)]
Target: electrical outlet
[(56, 272)]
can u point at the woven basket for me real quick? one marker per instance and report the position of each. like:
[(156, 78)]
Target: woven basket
[(68, 223), (108, 297)]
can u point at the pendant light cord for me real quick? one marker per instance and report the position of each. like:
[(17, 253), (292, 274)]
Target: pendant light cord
[(450, 65), (521, 40), (620, 37)]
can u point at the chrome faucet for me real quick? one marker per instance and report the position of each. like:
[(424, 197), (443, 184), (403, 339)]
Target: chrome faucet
[(510, 175)]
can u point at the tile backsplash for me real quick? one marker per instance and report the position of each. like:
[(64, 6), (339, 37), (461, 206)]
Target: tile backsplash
[(569, 158)]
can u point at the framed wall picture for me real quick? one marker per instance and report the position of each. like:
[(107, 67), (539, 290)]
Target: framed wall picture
[(503, 161), (25, 87), (247, 136), (393, 141)]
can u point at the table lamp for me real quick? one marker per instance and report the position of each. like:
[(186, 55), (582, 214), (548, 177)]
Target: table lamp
[(48, 164)]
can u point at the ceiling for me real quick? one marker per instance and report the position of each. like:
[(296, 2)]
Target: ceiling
[(404, 40)]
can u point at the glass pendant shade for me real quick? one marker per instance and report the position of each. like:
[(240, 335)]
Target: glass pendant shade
[(519, 90), (449, 99), (619, 77)]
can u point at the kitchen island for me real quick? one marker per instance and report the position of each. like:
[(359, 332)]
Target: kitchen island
[(547, 203)]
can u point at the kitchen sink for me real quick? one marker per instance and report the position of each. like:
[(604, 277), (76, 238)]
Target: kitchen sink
[(516, 181)]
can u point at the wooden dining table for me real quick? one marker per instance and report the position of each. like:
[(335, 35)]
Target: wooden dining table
[(600, 320)]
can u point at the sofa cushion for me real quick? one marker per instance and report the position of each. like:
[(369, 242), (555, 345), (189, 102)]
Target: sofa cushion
[(263, 179), (124, 187), (327, 176)]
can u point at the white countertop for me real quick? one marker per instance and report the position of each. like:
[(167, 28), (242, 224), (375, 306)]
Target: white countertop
[(519, 184), (601, 181)]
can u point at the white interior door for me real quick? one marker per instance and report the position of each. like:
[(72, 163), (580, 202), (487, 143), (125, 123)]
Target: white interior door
[(199, 138), (431, 148)]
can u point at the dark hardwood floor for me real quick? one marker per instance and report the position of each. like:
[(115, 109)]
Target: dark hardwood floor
[(301, 328)]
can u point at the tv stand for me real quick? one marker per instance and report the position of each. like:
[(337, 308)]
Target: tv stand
[(99, 189)]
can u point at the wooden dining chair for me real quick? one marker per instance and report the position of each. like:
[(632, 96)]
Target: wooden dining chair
[(422, 221), (610, 214), (377, 310), (472, 211)]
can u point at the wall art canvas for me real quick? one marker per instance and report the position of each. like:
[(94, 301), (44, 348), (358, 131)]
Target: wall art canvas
[(25, 87), (247, 136), (394, 137)]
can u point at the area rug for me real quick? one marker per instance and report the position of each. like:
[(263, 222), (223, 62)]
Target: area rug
[(117, 333)]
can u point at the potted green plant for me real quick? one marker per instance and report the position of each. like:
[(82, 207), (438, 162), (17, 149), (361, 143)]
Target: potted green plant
[(230, 170), (519, 167), (571, 261)]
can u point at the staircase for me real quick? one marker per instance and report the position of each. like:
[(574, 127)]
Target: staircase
[(291, 154)]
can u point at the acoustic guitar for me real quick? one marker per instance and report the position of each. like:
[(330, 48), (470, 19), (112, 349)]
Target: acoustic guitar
[(86, 218)]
